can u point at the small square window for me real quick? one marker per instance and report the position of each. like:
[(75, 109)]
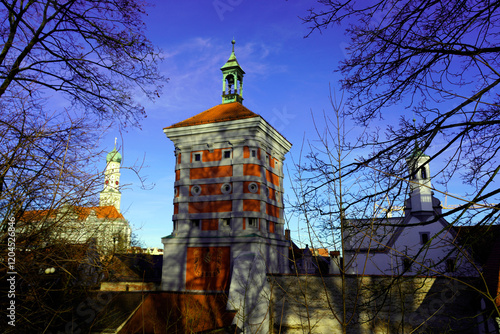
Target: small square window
[(197, 157), (195, 224), (226, 222), (227, 154), (424, 237), (252, 222)]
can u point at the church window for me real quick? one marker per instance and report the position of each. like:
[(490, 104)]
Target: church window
[(175, 225), (226, 154), (423, 172), (226, 188), (424, 237), (196, 156), (253, 153)]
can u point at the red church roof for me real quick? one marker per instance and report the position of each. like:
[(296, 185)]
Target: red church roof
[(220, 113), (101, 212)]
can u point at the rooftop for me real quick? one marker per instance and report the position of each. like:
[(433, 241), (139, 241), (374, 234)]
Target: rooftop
[(219, 113), (101, 212)]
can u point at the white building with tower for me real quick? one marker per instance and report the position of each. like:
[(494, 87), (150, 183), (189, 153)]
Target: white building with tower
[(421, 242), (103, 225), (111, 194)]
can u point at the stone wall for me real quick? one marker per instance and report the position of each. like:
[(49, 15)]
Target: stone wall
[(127, 286), (372, 304)]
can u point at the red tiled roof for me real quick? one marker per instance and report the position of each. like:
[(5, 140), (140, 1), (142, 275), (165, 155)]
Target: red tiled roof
[(321, 251), (108, 212), (102, 212), (220, 113), (37, 215)]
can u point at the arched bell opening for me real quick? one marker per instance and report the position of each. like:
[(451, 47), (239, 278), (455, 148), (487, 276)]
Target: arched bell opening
[(229, 84)]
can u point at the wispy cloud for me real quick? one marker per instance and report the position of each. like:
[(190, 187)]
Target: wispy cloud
[(195, 78)]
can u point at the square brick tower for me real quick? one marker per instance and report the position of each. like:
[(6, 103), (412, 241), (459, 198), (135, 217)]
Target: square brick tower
[(228, 193)]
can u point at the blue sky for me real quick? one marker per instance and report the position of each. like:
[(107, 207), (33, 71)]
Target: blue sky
[(287, 77)]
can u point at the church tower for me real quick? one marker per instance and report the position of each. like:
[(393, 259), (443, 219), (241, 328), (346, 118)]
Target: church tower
[(421, 199), (228, 192), (111, 195)]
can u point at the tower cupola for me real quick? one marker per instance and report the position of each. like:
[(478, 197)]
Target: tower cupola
[(232, 80), (111, 194), (114, 156)]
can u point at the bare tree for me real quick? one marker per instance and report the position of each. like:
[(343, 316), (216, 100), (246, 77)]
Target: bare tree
[(438, 59), (341, 207), (45, 167), (94, 53), (324, 186), (91, 57)]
